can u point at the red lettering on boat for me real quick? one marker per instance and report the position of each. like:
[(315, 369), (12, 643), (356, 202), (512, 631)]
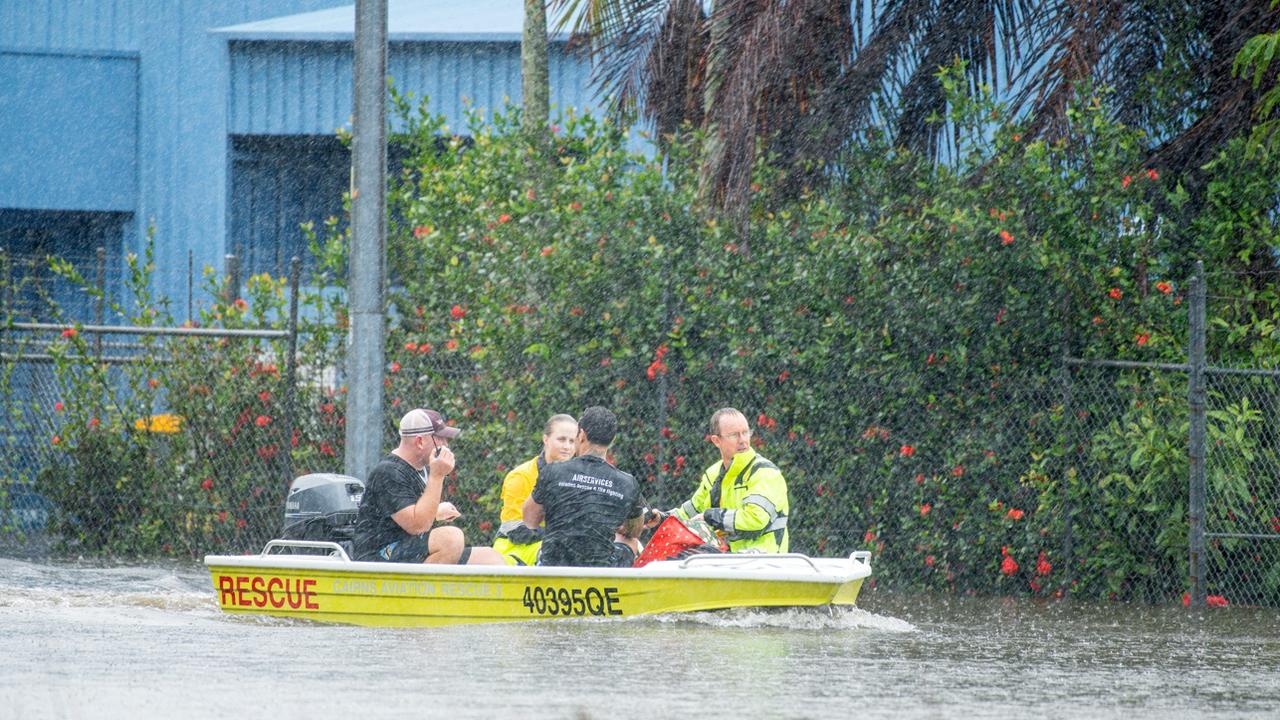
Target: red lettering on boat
[(260, 595), (226, 590), (241, 582), (310, 594), (272, 584)]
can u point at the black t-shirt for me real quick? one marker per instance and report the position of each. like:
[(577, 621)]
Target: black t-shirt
[(585, 500), (392, 486)]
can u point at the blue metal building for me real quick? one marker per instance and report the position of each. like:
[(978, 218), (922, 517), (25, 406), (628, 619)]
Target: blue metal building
[(213, 121)]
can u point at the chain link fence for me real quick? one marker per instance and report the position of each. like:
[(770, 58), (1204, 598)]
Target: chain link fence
[(156, 440)]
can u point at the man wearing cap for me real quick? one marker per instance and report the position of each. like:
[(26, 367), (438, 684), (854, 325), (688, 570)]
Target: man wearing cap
[(402, 501)]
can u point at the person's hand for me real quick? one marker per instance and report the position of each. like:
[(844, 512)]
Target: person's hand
[(447, 512), (653, 517), (441, 462), (714, 517)]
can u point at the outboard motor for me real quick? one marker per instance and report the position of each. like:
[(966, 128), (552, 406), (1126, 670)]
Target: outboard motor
[(323, 506)]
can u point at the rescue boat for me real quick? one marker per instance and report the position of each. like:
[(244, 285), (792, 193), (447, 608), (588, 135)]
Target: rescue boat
[(330, 587)]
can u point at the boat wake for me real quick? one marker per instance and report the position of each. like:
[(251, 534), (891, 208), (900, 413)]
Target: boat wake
[(31, 586), (807, 618)]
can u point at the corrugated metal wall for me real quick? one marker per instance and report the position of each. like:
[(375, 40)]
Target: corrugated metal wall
[(182, 120), (304, 88)]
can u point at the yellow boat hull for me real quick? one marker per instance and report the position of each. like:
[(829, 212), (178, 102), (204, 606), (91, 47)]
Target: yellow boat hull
[(392, 594)]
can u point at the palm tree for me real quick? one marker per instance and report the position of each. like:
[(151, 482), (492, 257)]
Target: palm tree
[(534, 68), (801, 78)]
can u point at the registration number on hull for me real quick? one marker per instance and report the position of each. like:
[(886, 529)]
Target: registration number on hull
[(578, 602)]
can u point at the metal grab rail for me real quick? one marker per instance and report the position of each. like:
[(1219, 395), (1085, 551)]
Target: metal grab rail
[(732, 559), (334, 548), (861, 557)]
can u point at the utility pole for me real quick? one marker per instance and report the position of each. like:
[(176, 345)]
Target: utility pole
[(366, 285)]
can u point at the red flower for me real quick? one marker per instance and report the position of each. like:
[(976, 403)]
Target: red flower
[(457, 313), (70, 333), (906, 451), (422, 231), (958, 471), (782, 376), (1142, 338), (928, 560), (207, 484), (451, 345), (94, 422), (55, 440), (575, 206), (264, 396), (262, 421), (649, 459), (222, 516), (410, 346), (1275, 524), (1186, 599), (326, 448), (327, 408), (666, 433), (485, 525), (1124, 182), (424, 348), (919, 478), (504, 218), (1152, 174), (1042, 565), (1005, 237), (821, 489), (1164, 287), (679, 463), (153, 383), (266, 452), (1014, 514), (395, 367), (869, 537), (240, 304), (547, 250), (58, 406), (1035, 586), (1008, 566), (1216, 601), (241, 523), (1115, 293), (924, 509)]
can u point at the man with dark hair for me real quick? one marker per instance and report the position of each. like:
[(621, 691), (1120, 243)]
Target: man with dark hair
[(743, 495), (593, 511), (402, 501)]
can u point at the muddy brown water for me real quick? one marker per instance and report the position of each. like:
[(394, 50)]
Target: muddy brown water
[(149, 642)]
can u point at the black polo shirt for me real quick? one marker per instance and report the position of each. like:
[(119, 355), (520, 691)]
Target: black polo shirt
[(393, 486), (585, 500)]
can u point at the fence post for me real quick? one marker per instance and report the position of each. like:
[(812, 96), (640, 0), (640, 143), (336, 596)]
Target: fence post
[(232, 289), (191, 281), (291, 367), (99, 312), (1070, 457), (1196, 439)]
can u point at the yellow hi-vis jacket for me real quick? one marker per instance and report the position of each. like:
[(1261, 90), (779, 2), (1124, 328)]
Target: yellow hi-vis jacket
[(754, 495), (517, 486)]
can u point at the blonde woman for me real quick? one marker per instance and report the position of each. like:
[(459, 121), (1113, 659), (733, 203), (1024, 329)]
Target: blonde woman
[(517, 544)]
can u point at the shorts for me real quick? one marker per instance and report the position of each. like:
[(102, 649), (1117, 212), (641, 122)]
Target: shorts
[(415, 549)]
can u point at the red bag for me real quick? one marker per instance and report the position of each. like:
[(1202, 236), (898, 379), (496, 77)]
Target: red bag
[(673, 538)]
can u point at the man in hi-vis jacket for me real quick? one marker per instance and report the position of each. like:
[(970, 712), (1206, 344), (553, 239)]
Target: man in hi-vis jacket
[(743, 496)]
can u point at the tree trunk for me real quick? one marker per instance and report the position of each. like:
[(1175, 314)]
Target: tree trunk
[(534, 68)]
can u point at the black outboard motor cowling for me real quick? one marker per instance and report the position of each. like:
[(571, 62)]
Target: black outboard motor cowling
[(323, 506)]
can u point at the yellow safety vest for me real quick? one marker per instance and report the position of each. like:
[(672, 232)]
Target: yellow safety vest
[(754, 495)]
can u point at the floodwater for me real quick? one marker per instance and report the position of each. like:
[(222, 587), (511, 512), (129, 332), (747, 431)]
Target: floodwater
[(144, 642)]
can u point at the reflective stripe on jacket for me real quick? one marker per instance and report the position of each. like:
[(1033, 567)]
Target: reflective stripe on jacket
[(754, 495)]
